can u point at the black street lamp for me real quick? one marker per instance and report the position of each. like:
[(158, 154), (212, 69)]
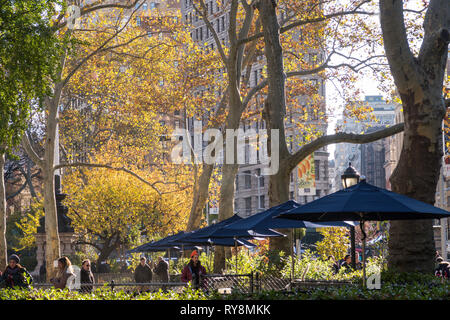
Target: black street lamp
[(350, 178)]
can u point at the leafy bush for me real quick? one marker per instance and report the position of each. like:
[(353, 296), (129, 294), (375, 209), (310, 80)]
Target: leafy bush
[(423, 288), (56, 294)]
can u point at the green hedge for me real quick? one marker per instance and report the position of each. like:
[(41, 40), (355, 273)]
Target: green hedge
[(393, 287)]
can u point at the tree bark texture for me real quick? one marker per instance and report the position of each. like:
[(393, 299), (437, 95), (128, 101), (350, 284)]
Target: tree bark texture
[(3, 244), (419, 81)]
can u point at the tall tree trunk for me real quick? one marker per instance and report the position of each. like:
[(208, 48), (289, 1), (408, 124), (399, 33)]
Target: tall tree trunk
[(3, 244), (419, 81), (200, 197), (52, 248), (275, 110), (279, 193), (226, 210)]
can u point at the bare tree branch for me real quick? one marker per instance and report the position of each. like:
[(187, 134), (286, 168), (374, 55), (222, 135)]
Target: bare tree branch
[(26, 144), (100, 49), (312, 20), (94, 7), (204, 14), (98, 165), (301, 154)]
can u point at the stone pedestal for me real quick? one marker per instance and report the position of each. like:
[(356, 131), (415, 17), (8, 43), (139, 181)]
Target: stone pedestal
[(67, 248)]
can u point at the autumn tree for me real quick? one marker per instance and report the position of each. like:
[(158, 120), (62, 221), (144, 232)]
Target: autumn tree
[(118, 83), (62, 27), (28, 53), (111, 209), (257, 25)]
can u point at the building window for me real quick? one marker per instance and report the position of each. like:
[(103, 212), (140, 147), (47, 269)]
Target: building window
[(291, 195), (262, 202), (260, 177), (317, 169), (248, 179), (223, 23), (236, 182), (248, 205)]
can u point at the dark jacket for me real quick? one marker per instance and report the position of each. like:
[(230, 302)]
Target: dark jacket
[(143, 274), (17, 277), (86, 281), (190, 271), (162, 271), (443, 270)]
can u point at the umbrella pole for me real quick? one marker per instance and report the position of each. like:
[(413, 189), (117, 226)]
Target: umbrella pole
[(292, 256), (168, 254), (361, 224), (235, 249), (210, 258)]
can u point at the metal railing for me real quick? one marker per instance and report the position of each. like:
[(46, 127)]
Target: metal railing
[(250, 283), (125, 286), (227, 283)]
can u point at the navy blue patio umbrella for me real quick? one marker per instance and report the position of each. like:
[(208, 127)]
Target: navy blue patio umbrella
[(162, 244), (364, 202), (265, 221), (215, 229), (262, 222), (205, 235), (211, 241)]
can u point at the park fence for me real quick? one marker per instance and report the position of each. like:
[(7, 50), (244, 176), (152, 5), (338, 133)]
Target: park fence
[(250, 283)]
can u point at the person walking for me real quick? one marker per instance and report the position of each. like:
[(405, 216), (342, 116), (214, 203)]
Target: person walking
[(162, 272), (86, 277), (143, 274), (15, 275), (193, 270), (442, 268), (65, 277)]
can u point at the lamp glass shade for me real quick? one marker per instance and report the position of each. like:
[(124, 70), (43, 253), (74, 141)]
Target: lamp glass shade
[(349, 181)]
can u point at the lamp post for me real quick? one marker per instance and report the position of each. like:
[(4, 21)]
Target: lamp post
[(350, 178)]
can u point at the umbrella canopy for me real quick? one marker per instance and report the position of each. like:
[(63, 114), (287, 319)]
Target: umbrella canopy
[(212, 231), (364, 202), (162, 244), (226, 242), (264, 221)]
